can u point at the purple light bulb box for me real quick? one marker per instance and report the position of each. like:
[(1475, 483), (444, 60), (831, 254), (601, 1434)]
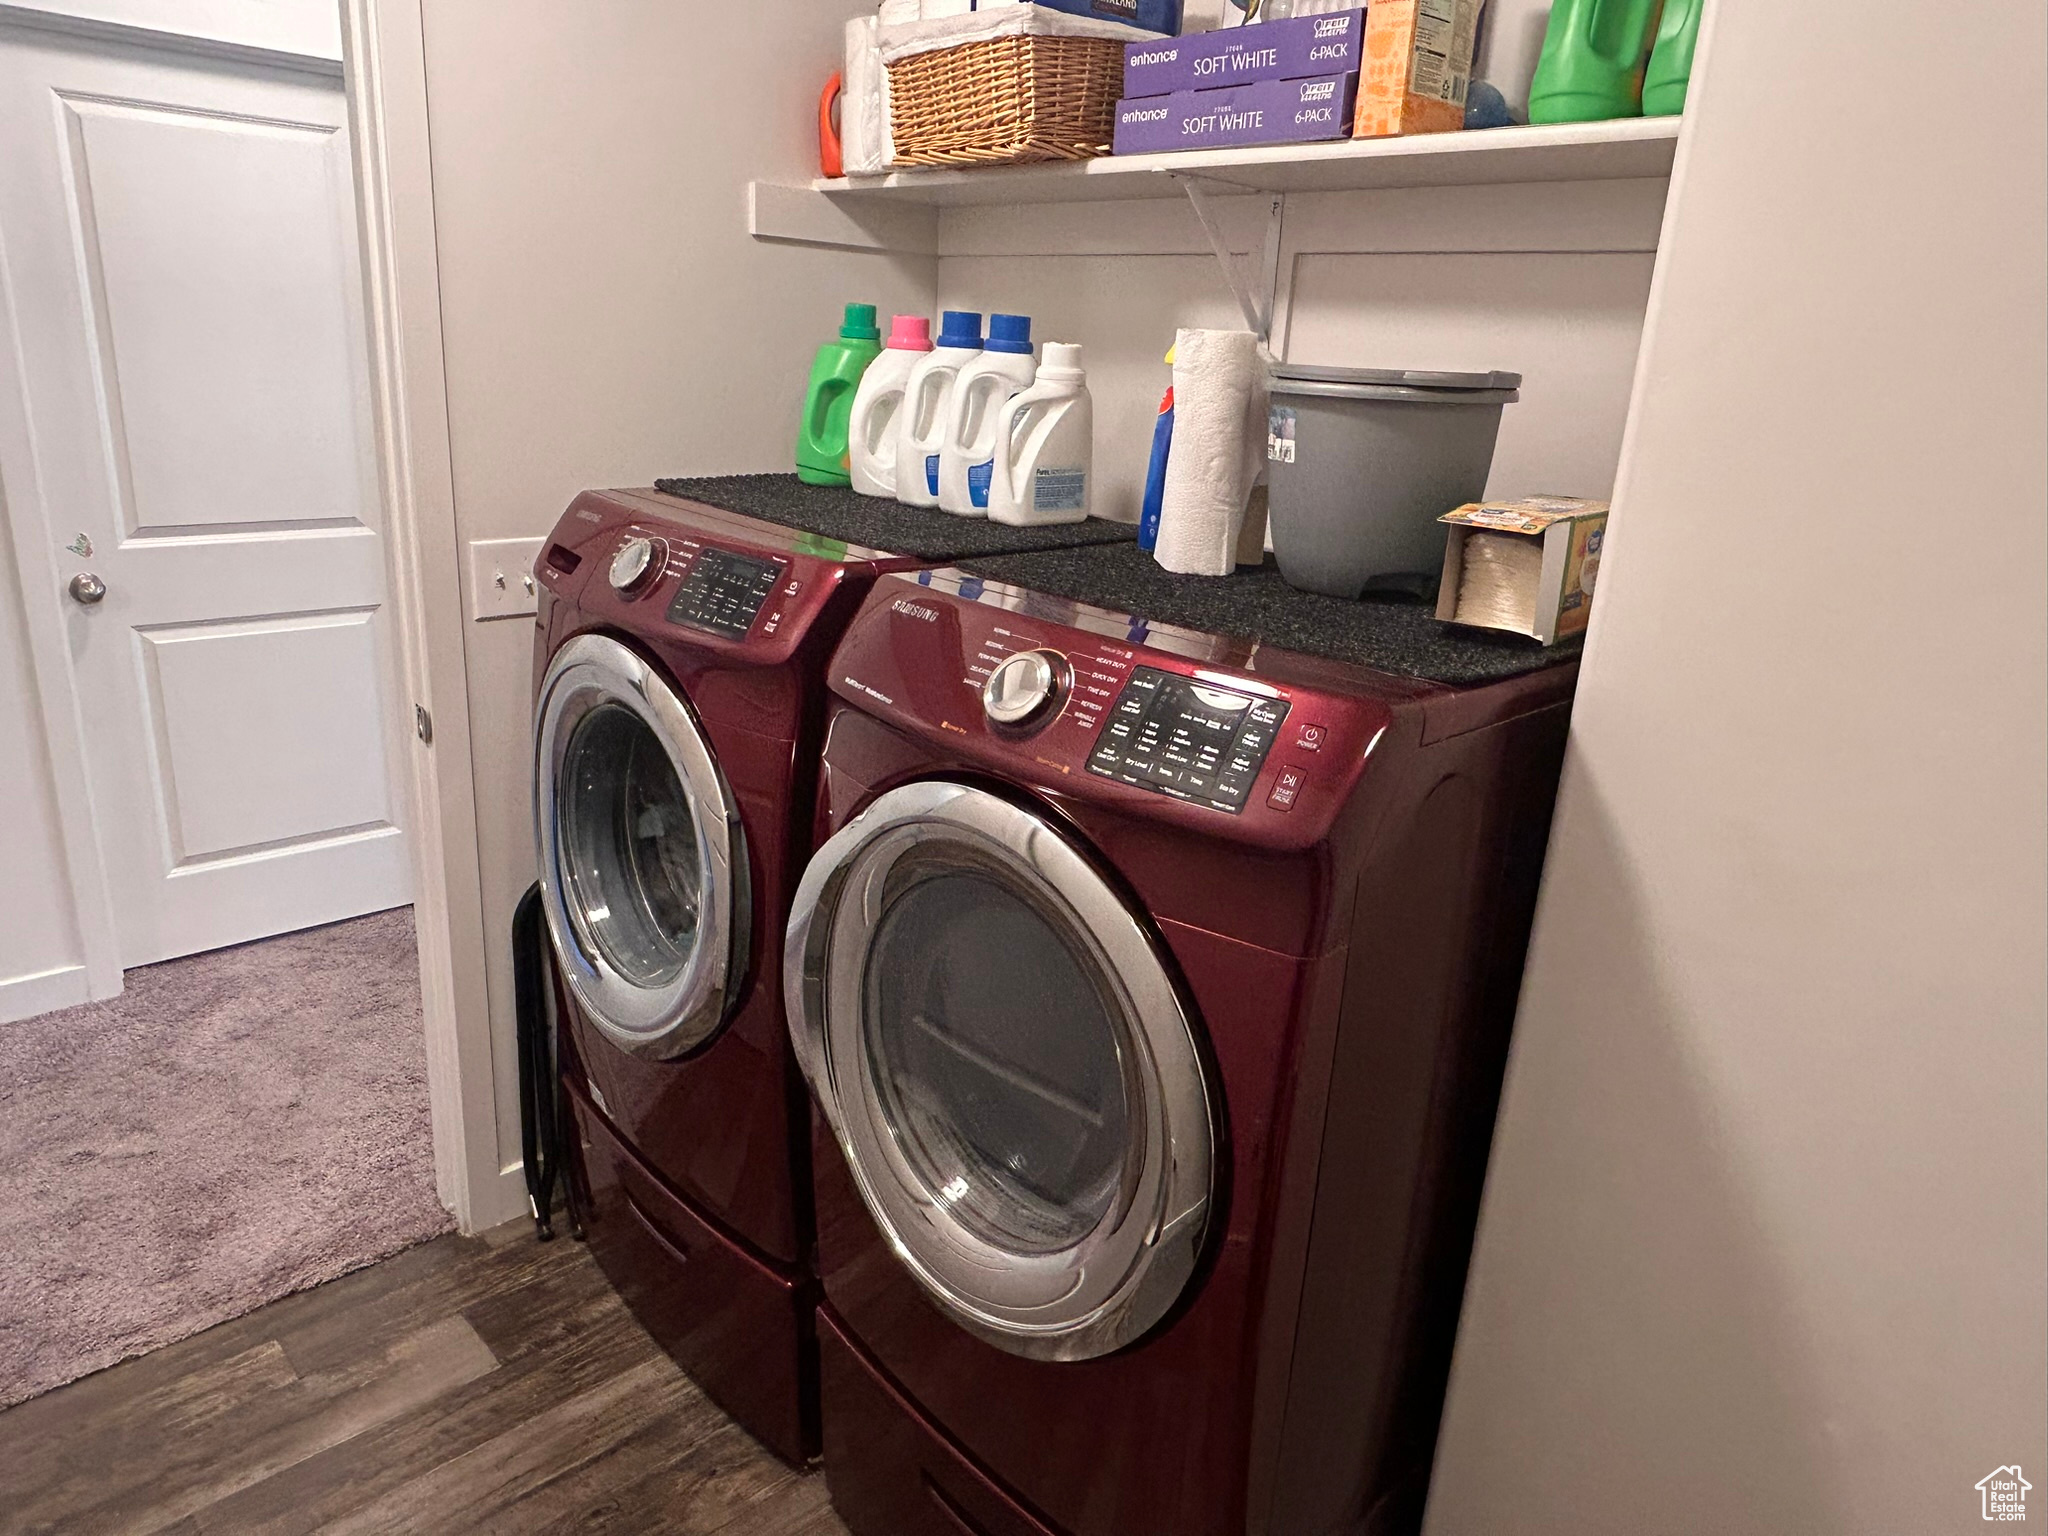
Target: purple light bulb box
[(1262, 112), (1296, 49), (1151, 15)]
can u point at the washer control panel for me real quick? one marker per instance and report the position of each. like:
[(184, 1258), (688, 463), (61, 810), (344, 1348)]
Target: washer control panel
[(723, 591), (1179, 736)]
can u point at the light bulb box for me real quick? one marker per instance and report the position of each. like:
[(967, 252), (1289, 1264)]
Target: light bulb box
[(1263, 112), (1570, 531), (1297, 49)]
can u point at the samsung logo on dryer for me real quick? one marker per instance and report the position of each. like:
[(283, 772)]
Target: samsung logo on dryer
[(916, 610)]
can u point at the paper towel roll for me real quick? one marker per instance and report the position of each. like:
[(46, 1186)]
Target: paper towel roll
[(1219, 450)]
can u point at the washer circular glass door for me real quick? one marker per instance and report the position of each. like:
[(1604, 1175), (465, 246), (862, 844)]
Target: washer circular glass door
[(1007, 1067), (643, 863)]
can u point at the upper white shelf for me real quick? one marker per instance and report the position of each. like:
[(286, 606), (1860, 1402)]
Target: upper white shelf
[(1611, 151)]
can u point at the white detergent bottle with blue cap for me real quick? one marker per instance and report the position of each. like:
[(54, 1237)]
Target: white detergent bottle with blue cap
[(1045, 446), (984, 387), (927, 407)]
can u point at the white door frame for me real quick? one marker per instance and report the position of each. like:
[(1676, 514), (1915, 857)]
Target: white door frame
[(384, 53), (25, 510)]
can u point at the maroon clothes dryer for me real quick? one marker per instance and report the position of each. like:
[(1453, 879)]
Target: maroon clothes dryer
[(679, 697), (1155, 989)]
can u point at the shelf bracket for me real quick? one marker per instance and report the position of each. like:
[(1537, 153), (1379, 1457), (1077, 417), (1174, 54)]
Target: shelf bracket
[(1257, 292)]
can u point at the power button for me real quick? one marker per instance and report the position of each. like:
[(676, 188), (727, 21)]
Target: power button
[(1285, 788)]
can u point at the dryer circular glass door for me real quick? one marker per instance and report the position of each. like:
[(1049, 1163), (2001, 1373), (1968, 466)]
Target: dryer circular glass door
[(1007, 1067), (643, 862)]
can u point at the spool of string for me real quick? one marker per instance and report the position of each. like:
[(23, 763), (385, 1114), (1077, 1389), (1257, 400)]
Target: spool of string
[(1498, 584)]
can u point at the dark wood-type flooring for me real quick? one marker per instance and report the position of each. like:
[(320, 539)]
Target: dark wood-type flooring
[(490, 1384)]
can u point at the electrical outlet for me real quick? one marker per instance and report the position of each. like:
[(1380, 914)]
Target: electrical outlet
[(501, 584)]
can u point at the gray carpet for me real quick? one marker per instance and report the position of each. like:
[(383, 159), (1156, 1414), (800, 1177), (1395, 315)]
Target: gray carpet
[(233, 1127)]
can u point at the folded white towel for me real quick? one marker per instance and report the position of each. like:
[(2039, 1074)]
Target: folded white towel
[(864, 137), (1219, 450), (952, 27)]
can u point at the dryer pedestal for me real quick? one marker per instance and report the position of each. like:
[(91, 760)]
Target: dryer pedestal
[(740, 1327), (890, 1471)]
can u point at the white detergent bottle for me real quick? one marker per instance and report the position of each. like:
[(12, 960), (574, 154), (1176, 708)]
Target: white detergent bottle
[(871, 427), (927, 403), (1045, 446), (967, 459)]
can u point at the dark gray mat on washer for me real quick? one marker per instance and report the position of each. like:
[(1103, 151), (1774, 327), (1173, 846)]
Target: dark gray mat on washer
[(918, 533), (1401, 637)]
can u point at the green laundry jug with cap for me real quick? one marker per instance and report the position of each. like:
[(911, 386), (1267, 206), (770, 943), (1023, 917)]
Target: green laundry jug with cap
[(1671, 59), (1591, 68), (821, 439)]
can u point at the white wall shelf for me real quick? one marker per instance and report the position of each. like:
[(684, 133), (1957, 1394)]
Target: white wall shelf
[(900, 211), (1627, 148)]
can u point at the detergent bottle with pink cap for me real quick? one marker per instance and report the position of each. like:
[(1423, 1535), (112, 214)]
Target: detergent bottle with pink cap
[(871, 429)]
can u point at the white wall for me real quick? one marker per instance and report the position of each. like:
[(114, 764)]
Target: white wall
[(1548, 281), (1763, 1247), (606, 317)]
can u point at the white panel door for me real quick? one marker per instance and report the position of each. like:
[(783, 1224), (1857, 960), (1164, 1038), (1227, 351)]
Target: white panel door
[(180, 255)]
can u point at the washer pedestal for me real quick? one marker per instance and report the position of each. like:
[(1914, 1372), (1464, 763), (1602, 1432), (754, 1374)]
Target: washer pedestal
[(740, 1327)]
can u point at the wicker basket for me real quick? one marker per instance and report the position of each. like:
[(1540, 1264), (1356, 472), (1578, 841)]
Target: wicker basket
[(1006, 100)]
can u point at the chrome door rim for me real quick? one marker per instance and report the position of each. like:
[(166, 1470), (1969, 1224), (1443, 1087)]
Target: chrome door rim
[(1112, 1286), (678, 1016)]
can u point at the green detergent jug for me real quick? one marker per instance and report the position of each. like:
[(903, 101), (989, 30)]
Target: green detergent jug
[(821, 442), (1671, 60), (1591, 68)]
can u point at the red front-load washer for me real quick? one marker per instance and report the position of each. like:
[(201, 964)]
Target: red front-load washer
[(679, 698), (1154, 987)]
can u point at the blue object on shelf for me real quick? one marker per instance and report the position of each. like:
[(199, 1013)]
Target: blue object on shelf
[(1486, 107), (1155, 475)]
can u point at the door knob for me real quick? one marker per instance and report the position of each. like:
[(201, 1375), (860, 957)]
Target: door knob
[(87, 589)]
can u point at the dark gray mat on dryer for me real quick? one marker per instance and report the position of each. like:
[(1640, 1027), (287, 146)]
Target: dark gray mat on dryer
[(1398, 636), (919, 533)]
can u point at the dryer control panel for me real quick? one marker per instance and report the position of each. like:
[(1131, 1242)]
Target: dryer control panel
[(1189, 739), (1206, 731)]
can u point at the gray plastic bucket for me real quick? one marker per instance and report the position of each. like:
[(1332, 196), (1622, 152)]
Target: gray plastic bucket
[(1360, 464)]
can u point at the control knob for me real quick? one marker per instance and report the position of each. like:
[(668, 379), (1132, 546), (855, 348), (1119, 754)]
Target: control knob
[(1021, 689), (636, 563)]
